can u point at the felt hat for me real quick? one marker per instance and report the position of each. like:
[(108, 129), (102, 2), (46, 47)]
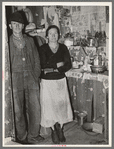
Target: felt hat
[(17, 17)]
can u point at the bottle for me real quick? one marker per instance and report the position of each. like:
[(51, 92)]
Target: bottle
[(96, 61), (100, 60), (75, 41), (91, 42)]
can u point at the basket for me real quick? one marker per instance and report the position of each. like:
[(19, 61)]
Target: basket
[(98, 69)]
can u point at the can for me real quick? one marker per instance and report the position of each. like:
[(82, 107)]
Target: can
[(82, 117)]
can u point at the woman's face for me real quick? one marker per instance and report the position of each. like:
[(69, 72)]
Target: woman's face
[(53, 35)]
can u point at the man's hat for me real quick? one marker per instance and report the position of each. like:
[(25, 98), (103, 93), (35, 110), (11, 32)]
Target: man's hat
[(17, 17)]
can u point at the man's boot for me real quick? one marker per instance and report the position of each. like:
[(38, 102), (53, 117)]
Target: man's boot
[(35, 140), (60, 132)]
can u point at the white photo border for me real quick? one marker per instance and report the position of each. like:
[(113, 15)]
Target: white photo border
[(110, 62)]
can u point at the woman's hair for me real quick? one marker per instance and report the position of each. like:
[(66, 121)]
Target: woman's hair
[(53, 26)]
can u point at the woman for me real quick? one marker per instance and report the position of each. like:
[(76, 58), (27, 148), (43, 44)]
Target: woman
[(55, 104)]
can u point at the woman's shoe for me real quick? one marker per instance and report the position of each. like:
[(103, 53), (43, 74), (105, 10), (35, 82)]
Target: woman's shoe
[(54, 136), (60, 132)]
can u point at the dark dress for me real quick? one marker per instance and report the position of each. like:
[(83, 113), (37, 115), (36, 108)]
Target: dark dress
[(49, 59)]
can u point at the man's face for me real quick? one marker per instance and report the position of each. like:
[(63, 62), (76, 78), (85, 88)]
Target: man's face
[(16, 27)]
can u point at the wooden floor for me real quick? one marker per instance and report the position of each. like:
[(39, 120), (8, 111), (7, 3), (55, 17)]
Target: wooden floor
[(75, 136)]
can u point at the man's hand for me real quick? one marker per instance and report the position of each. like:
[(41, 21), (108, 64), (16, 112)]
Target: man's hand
[(33, 33)]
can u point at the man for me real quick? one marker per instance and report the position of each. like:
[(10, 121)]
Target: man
[(25, 67)]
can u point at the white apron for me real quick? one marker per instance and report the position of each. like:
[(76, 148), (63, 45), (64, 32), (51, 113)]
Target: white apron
[(55, 103)]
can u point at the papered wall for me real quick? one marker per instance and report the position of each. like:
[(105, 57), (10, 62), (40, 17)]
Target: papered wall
[(92, 18), (76, 18)]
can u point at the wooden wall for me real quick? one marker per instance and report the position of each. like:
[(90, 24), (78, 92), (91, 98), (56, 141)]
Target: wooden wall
[(7, 102)]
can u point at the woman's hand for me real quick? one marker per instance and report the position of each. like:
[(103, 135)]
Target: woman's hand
[(56, 70), (48, 70), (60, 64)]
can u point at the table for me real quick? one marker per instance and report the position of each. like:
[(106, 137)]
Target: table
[(88, 94)]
